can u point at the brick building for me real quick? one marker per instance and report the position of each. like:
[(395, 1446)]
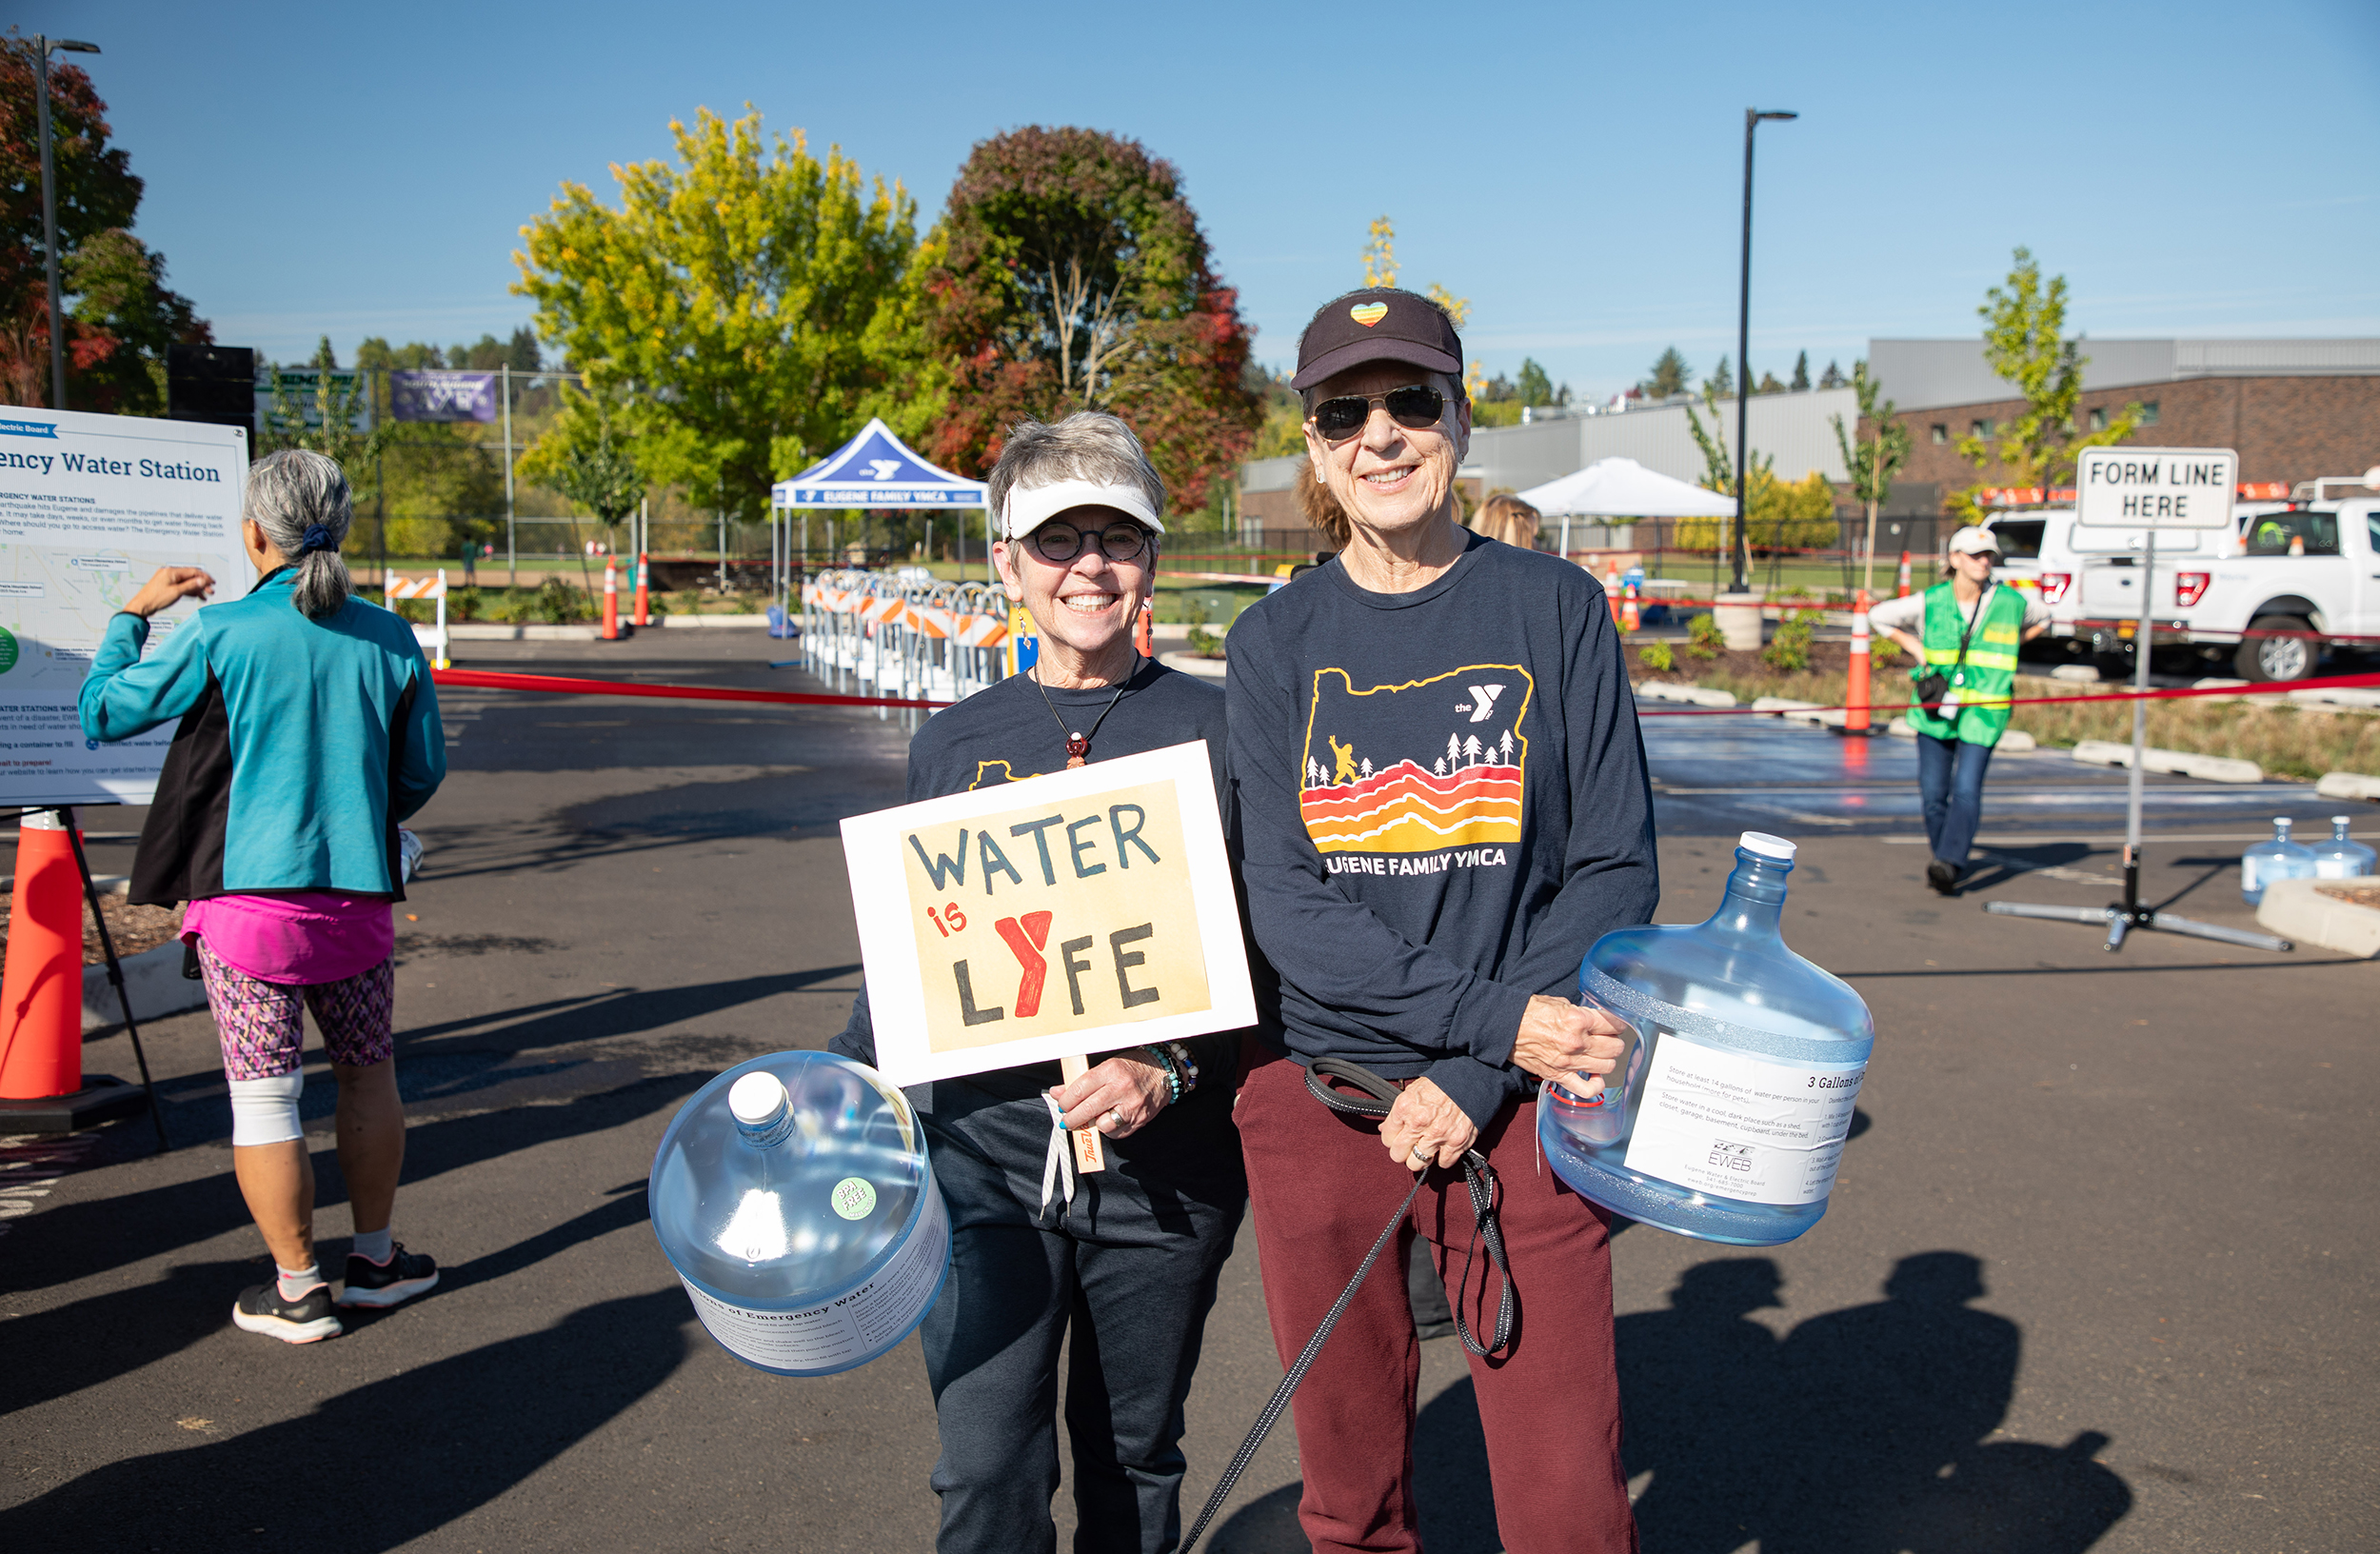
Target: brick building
[(2295, 410)]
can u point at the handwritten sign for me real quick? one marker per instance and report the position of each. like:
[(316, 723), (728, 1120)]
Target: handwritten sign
[(1035, 920)]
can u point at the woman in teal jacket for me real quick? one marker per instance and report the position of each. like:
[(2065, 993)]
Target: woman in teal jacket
[(308, 729)]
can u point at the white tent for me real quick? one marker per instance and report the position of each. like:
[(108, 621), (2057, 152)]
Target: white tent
[(1624, 488)]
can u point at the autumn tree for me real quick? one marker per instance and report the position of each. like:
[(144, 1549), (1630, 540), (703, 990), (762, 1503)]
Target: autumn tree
[(120, 314), (2024, 342), (753, 306), (1072, 275)]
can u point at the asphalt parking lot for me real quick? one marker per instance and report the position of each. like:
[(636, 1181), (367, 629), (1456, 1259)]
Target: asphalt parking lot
[(2098, 1272)]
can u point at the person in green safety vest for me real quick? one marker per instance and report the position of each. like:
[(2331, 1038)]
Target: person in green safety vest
[(1970, 627)]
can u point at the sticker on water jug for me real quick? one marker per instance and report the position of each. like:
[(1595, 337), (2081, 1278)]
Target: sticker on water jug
[(854, 1198), (827, 1337), (1740, 1126)]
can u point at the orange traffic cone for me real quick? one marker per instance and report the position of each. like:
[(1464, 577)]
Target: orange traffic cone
[(1628, 617), (643, 605), (41, 993), (1904, 593), (1856, 710), (612, 599)]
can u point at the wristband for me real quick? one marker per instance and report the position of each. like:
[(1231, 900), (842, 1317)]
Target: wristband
[(1189, 1066), (1172, 1074)]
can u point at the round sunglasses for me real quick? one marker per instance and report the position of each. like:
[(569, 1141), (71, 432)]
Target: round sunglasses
[(1059, 544), (1414, 407)]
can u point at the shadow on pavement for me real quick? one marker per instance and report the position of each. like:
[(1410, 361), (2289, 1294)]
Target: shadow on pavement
[(388, 1463), (77, 1240), (626, 1012), (1863, 1432)]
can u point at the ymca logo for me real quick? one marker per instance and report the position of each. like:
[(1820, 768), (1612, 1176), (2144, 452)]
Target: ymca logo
[(885, 469), (1482, 701)]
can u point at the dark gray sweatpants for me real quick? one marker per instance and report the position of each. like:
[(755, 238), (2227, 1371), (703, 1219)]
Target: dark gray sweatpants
[(1130, 1271)]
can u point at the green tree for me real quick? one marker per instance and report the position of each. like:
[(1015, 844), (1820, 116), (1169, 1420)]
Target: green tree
[(1832, 377), (1379, 253), (1535, 386), (755, 305), (1880, 449), (1721, 383), (1671, 377), (1801, 373), (1282, 432), (1769, 385), (2024, 342), (1072, 275), (584, 457)]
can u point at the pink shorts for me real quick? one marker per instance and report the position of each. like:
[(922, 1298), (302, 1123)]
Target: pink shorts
[(263, 1024)]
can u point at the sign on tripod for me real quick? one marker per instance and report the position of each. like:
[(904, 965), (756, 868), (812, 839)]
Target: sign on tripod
[(2154, 487)]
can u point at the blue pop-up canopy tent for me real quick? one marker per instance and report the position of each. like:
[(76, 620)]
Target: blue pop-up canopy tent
[(874, 469)]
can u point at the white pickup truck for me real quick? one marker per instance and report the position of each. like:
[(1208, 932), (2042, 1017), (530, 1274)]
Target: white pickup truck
[(2287, 581)]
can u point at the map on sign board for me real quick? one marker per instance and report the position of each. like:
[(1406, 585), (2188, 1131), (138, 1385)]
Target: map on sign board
[(1066, 915), (89, 507), (2154, 487)]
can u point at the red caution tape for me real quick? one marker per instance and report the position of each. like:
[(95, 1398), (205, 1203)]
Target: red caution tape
[(2276, 688), (568, 686)]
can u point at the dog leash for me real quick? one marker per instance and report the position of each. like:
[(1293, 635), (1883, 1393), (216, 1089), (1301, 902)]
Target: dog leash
[(1479, 1176)]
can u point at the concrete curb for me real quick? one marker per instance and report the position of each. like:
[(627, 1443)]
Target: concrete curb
[(2296, 909), (2212, 768), (679, 621), (155, 980), (1205, 668), (1666, 691), (2348, 784)]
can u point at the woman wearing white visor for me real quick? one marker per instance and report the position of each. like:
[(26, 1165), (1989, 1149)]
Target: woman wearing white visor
[(1129, 1261)]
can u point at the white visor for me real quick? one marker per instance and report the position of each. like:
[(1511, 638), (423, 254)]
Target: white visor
[(1029, 510)]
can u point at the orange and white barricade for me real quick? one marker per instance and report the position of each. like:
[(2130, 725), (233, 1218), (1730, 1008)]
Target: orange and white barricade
[(394, 588)]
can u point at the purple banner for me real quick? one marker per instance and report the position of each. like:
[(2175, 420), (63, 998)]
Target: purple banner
[(443, 396)]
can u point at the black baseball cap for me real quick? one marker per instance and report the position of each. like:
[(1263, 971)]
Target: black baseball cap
[(1378, 324)]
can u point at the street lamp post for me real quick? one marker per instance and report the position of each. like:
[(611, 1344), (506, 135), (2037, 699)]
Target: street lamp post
[(1743, 349), (43, 48)]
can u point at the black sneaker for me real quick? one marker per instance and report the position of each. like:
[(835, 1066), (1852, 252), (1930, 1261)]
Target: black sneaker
[(404, 1276), (1943, 877), (265, 1309)]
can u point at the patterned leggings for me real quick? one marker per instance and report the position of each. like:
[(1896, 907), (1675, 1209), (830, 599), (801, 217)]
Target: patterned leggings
[(263, 1024)]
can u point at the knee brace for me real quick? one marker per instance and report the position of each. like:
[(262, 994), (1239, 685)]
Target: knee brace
[(266, 1110)]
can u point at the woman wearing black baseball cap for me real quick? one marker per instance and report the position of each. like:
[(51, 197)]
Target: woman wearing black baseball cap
[(1443, 803)]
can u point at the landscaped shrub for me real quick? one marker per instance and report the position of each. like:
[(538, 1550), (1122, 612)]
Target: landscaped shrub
[(1703, 637), (1657, 657)]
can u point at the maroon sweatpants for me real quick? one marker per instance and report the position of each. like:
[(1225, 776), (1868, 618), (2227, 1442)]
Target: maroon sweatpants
[(1320, 1188)]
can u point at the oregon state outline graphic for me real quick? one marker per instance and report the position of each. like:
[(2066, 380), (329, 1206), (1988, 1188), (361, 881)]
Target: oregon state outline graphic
[(1416, 768)]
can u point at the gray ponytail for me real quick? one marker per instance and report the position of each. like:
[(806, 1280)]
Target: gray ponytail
[(296, 496)]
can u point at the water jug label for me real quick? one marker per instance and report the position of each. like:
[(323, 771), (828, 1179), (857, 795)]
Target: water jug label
[(2248, 875), (823, 1337), (1741, 1126)]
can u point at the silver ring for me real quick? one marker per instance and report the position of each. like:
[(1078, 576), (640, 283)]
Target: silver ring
[(1113, 1116), (1418, 1157)]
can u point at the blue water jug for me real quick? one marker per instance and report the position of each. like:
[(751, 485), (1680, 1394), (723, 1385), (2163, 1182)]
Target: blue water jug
[(793, 1196), (2341, 857), (1726, 1117), (2278, 859)]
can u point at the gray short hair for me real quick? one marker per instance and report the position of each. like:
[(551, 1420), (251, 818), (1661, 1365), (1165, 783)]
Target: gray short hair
[(290, 492), (1088, 445)]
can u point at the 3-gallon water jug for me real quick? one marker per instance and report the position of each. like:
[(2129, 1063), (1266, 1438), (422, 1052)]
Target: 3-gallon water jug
[(2279, 859), (2341, 857), (1726, 1117), (792, 1195)]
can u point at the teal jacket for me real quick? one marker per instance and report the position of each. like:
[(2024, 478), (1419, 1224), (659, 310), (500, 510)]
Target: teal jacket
[(302, 745)]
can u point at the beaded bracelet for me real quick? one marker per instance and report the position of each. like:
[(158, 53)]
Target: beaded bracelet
[(1173, 1075), (1189, 1066)]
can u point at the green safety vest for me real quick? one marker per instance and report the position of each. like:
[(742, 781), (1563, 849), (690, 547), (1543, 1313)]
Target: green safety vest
[(1980, 689)]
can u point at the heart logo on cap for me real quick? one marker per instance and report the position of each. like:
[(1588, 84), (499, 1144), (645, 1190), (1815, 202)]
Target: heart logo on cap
[(1368, 313)]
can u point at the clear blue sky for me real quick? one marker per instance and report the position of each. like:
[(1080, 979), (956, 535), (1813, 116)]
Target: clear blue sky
[(2192, 168)]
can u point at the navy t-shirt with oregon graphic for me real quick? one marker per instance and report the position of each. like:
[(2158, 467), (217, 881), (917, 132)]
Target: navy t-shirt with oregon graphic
[(1443, 803), (1006, 733)]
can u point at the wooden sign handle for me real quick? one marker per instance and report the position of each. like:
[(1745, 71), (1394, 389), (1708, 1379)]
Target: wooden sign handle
[(1087, 1155)]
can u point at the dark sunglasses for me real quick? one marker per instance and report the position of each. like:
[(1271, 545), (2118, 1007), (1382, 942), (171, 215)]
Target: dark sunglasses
[(1060, 543), (1414, 407)]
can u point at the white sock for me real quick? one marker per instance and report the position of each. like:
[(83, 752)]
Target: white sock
[(296, 1282), (372, 1246)]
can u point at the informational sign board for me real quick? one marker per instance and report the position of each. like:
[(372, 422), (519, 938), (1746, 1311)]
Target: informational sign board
[(1067, 914), (302, 391), (89, 507), (2154, 487), (429, 396)]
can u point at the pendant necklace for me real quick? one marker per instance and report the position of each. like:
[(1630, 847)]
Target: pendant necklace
[(1079, 746)]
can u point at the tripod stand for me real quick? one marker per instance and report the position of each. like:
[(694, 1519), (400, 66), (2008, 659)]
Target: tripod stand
[(2122, 917)]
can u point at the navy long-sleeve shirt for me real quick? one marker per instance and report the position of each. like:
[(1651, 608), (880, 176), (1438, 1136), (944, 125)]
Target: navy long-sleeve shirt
[(1442, 803)]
